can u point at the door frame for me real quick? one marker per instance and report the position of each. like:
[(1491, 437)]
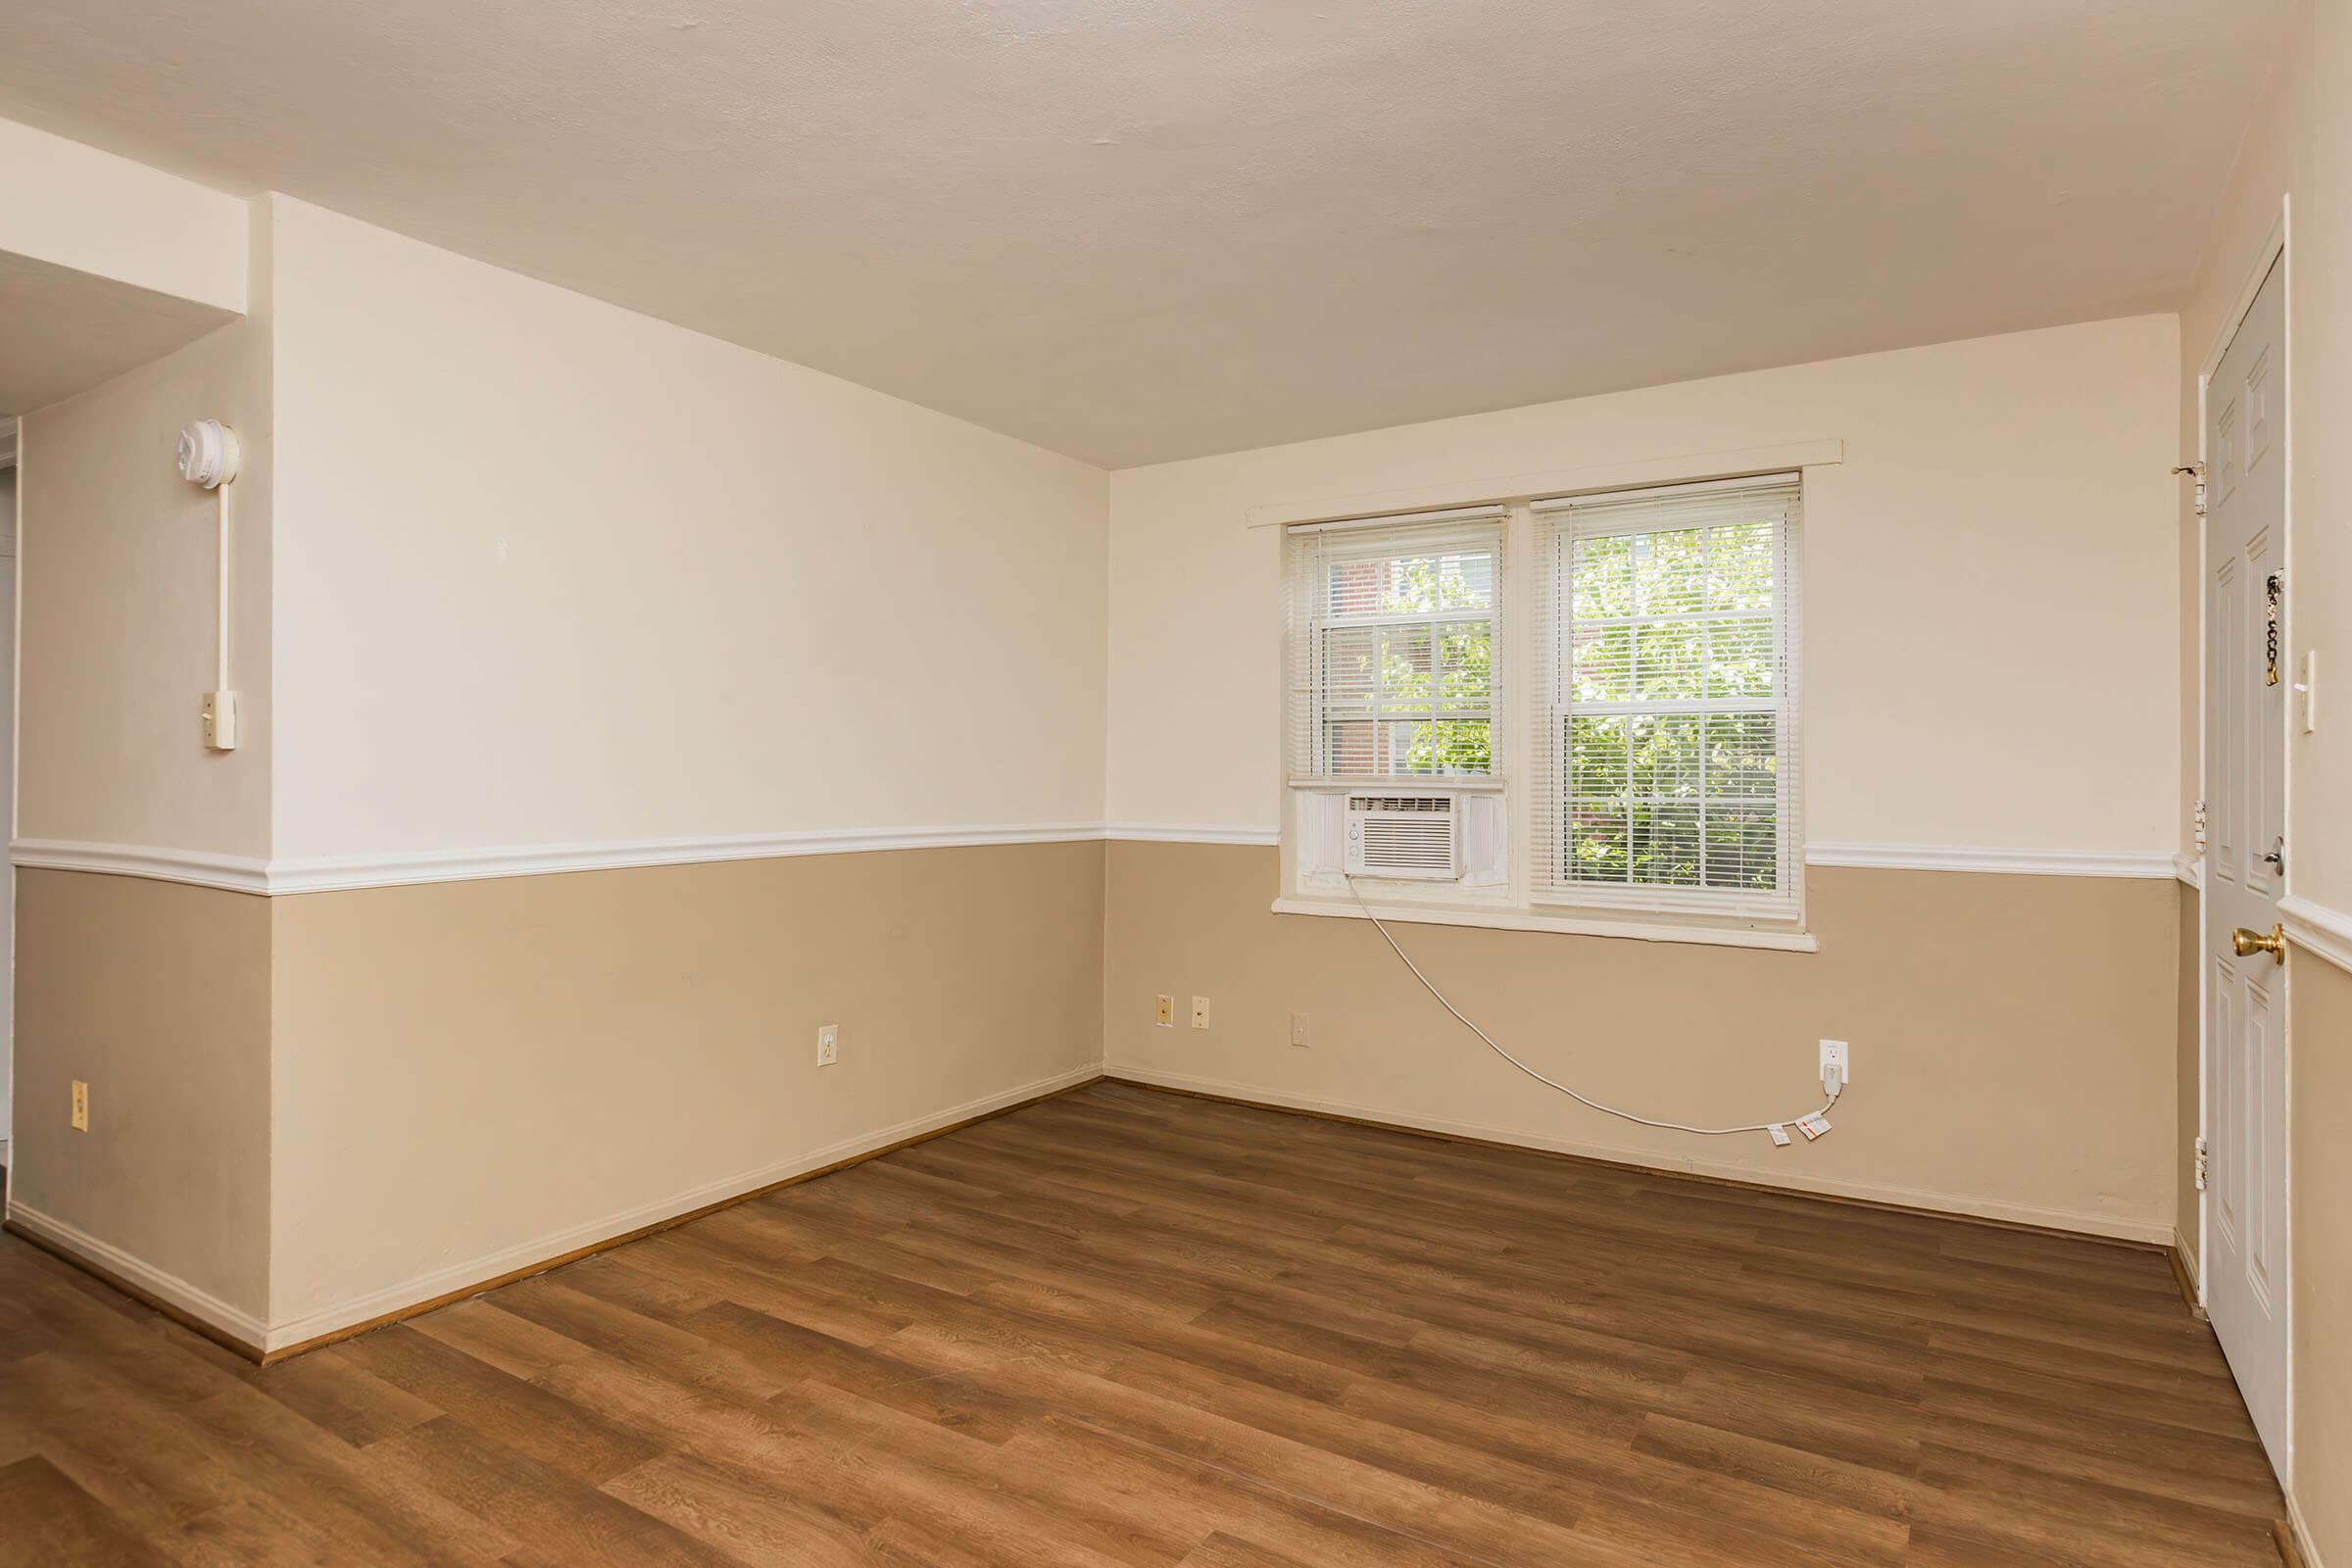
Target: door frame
[(2272, 253)]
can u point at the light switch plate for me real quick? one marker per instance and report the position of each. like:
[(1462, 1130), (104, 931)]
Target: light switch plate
[(828, 1044)]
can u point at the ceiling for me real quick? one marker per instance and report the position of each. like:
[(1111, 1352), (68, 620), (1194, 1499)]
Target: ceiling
[(64, 331), (1140, 230)]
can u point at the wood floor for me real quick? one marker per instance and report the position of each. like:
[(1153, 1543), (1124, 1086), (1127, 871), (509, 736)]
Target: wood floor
[(1124, 1327)]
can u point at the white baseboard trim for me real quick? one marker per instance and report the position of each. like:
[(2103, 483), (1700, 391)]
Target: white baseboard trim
[(2189, 1261), (2103, 1225), (523, 1255), (2318, 929), (2301, 1526), (333, 873), (201, 1304)]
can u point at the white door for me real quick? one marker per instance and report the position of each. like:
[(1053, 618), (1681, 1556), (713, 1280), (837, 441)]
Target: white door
[(8, 784), (2246, 682)]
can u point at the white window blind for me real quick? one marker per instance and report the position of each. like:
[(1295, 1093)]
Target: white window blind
[(1668, 773), (1393, 662)]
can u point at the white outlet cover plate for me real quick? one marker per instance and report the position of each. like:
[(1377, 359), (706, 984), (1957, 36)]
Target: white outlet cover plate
[(1835, 1051)]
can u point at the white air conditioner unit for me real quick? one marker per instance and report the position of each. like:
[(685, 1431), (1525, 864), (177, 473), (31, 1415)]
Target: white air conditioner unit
[(1418, 837)]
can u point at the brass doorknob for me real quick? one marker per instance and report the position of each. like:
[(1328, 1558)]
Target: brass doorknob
[(2245, 944)]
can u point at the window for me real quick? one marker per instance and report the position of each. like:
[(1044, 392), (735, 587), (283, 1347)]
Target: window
[(1392, 644), (1668, 774), (1646, 768)]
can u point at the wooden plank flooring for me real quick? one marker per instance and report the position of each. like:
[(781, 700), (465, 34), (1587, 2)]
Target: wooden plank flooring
[(1123, 1327)]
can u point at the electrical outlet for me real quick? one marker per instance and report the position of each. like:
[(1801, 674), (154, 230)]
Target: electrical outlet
[(828, 1044), (1298, 1028), (1833, 1053), (1163, 1011), (1200, 1013), (82, 1106)]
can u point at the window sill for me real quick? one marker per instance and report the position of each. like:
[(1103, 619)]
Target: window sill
[(1579, 924)]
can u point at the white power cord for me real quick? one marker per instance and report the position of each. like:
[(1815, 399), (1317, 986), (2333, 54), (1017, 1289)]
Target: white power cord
[(1836, 1087)]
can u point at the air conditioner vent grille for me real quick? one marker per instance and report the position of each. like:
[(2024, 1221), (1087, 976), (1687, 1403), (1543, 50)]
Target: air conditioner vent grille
[(1414, 836)]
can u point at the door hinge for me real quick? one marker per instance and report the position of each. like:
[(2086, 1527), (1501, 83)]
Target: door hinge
[(2204, 1164), (2200, 823)]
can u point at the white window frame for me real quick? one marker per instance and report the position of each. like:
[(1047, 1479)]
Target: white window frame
[(1340, 543), (1508, 898)]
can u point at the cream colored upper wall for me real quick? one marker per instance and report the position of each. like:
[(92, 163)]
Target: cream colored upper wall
[(77, 207), (1989, 593), (118, 561), (554, 572)]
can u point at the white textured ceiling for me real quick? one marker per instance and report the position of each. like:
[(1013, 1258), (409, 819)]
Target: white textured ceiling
[(1140, 229)]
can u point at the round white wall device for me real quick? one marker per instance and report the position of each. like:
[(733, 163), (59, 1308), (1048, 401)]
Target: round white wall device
[(208, 454)]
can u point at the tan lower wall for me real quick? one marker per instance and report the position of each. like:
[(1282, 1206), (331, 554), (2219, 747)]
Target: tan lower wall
[(2322, 1179), (158, 996), (2013, 1036), (471, 1076)]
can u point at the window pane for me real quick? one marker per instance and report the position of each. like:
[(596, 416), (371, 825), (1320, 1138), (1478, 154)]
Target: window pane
[(1602, 571), (1356, 587), (1603, 664), (1594, 833), (1666, 754), (1350, 665), (1406, 655), (1740, 568), (1413, 584), (1465, 666), (1670, 660), (1743, 847), (1742, 755), (1744, 659), (1664, 844), (1440, 746), (1670, 572), (1351, 747), (1596, 755)]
